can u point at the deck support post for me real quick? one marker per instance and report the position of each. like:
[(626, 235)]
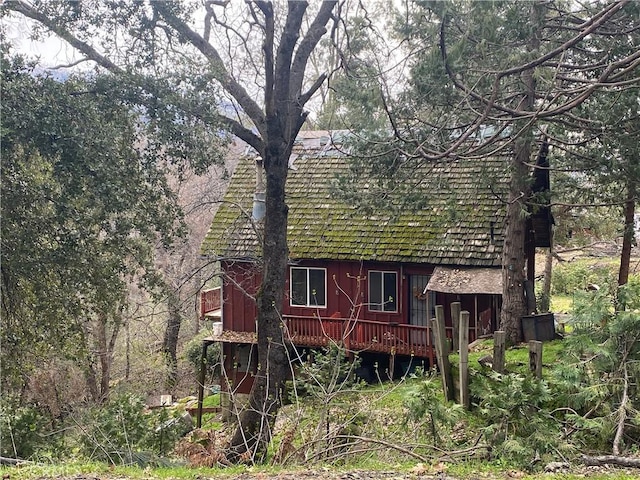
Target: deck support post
[(499, 345), (464, 360), (203, 369), (455, 324), (442, 353), (392, 363)]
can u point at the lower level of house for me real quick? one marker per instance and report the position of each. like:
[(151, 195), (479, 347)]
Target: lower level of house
[(378, 312), (385, 350)]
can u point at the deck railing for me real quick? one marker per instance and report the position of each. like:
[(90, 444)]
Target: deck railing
[(210, 301), (361, 335)]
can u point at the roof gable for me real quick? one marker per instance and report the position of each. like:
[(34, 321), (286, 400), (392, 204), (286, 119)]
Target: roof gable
[(462, 223)]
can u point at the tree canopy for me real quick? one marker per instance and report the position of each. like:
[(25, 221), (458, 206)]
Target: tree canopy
[(265, 87), (500, 78), (83, 205)]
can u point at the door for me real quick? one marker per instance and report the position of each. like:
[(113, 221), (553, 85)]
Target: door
[(420, 306)]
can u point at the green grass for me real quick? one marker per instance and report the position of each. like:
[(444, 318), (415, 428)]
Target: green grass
[(561, 303), (462, 471), (41, 471), (211, 400), (516, 358)]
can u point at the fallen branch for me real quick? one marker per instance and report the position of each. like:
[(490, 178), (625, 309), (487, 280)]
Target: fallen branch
[(353, 440), (622, 411), (12, 461), (611, 460)]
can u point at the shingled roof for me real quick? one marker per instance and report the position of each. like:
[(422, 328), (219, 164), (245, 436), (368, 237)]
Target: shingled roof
[(461, 225)]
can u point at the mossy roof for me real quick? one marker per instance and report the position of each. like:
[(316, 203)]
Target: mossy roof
[(461, 223)]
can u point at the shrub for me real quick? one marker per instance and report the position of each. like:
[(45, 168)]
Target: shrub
[(576, 276), (517, 422), (21, 429), (425, 405), (124, 432)]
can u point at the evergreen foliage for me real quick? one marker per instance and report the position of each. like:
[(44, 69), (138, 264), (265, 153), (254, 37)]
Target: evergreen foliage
[(598, 381), (424, 401), (518, 424)]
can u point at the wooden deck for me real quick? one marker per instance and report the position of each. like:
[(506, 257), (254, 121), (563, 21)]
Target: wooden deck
[(360, 335), (355, 335)]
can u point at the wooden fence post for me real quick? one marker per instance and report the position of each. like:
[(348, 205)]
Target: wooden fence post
[(535, 357), (499, 343), (442, 353), (455, 323), (464, 359)]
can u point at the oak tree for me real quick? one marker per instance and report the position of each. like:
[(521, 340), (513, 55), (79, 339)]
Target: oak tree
[(263, 93)]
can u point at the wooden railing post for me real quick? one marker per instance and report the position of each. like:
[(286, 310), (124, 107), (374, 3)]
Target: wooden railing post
[(442, 353), (535, 357), (464, 359), (499, 345), (455, 324)]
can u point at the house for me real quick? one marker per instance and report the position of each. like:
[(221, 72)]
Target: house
[(367, 279)]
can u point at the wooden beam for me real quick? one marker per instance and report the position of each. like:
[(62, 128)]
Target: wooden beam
[(455, 324), (442, 353), (535, 357), (499, 344), (203, 368), (464, 359)]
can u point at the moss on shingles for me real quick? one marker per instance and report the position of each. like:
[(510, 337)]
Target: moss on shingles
[(462, 201)]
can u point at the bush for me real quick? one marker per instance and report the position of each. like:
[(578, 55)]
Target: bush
[(21, 429), (518, 423), (193, 354), (576, 276), (124, 432), (329, 373), (426, 407)]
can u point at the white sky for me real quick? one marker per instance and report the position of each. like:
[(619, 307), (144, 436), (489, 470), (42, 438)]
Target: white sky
[(51, 51)]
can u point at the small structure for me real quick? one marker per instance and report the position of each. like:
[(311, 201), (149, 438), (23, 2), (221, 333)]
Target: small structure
[(369, 281)]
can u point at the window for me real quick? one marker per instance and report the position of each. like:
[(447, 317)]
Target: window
[(383, 291), (308, 287)]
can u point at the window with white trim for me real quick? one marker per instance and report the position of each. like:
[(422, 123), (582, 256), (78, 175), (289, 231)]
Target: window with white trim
[(308, 287), (383, 291)]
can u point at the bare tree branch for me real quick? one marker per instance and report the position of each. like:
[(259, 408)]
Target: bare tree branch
[(307, 45), (237, 91)]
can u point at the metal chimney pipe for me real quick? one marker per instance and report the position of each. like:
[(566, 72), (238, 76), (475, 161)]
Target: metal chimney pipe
[(259, 197)]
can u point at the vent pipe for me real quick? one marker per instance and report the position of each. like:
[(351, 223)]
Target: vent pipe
[(259, 206)]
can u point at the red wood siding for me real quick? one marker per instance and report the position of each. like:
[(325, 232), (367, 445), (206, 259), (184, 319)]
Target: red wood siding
[(346, 297), (347, 290), (240, 284)]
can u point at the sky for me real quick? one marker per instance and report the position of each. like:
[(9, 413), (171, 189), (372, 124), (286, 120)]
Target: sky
[(51, 51)]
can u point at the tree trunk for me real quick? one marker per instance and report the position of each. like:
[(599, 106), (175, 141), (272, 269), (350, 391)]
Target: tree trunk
[(105, 359), (254, 431), (171, 334), (105, 349), (91, 379), (514, 304), (629, 233), (545, 302)]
